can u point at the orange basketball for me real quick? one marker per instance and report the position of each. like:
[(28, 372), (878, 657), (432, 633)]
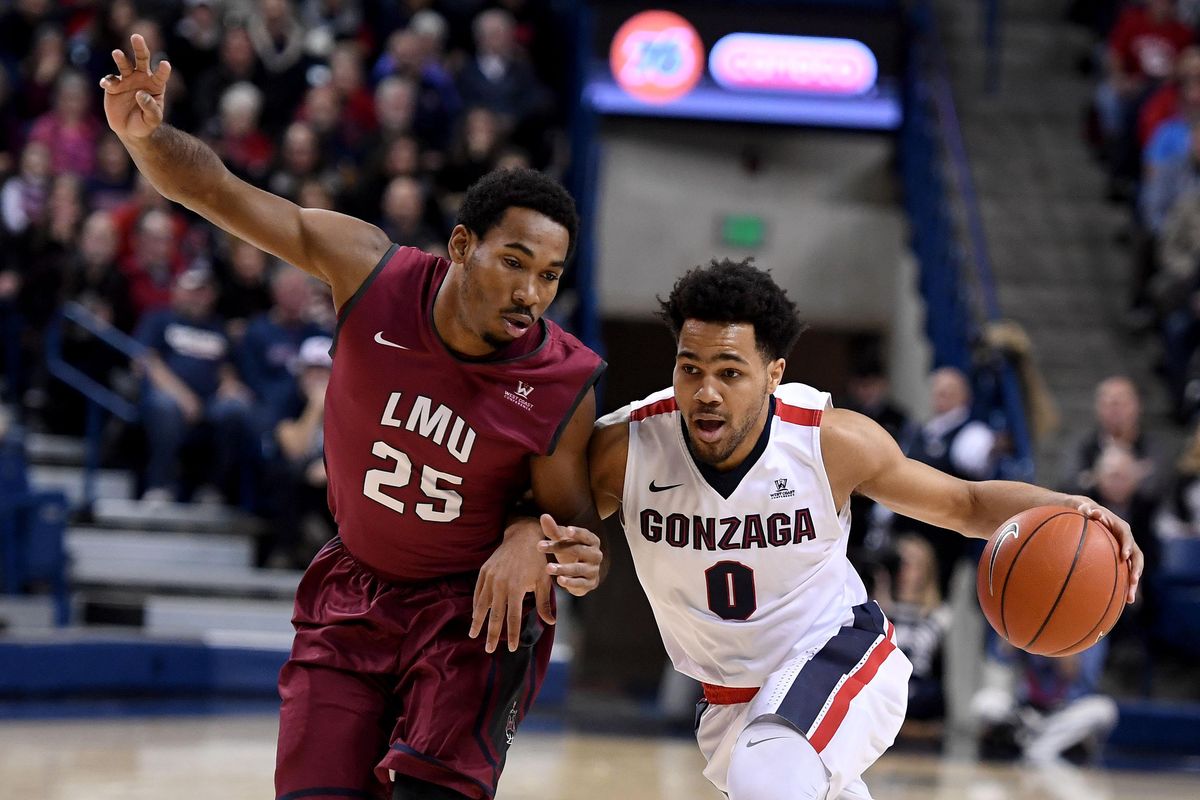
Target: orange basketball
[(1051, 581)]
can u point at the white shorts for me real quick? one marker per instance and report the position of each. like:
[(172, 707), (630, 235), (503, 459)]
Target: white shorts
[(847, 698)]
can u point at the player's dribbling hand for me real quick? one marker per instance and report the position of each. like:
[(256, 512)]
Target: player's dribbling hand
[(578, 553), (133, 98), (1120, 528), (515, 569)]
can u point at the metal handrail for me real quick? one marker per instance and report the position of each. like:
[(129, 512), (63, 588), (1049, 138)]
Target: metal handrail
[(99, 397)]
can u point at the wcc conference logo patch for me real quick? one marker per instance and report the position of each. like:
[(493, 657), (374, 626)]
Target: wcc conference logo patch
[(520, 397), (782, 490)]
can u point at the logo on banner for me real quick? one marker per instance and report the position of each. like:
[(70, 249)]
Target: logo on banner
[(811, 64), (657, 56)]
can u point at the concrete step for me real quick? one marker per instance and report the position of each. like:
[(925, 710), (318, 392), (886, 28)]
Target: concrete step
[(46, 448), (111, 484), (187, 579), (190, 616), (155, 516), (21, 614), (91, 546)]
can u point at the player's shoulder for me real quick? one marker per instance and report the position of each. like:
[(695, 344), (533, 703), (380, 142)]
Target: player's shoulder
[(561, 343), (659, 404), (801, 404)]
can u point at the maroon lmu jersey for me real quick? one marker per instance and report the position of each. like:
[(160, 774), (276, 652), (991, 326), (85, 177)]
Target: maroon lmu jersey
[(427, 451)]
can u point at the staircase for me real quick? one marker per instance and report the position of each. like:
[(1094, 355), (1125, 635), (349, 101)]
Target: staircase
[(1052, 237)]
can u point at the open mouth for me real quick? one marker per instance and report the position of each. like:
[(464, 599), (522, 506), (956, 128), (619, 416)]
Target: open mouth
[(708, 429), (516, 324)]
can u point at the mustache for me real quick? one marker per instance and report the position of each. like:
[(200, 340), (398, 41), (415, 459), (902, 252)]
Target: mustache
[(525, 312)]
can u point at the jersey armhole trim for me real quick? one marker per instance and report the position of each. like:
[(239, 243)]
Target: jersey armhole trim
[(345, 310), (587, 385), (808, 417), (664, 406)]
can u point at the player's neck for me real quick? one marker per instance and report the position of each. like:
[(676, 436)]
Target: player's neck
[(448, 315)]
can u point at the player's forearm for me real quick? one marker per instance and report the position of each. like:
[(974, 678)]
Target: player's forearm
[(992, 502), (181, 167)]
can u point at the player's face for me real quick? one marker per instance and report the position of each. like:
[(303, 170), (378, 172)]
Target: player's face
[(510, 275), (722, 382)]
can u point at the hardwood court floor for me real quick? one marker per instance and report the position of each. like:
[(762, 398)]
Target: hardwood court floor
[(231, 758)]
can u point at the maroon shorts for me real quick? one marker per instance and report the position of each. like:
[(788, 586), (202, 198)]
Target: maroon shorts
[(383, 677)]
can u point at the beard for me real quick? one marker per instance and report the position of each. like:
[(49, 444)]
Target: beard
[(709, 454)]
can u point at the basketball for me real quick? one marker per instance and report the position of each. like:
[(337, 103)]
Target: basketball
[(1051, 581)]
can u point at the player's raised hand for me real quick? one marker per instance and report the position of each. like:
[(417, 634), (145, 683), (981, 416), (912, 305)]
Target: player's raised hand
[(1120, 528), (517, 568), (133, 98), (578, 553)]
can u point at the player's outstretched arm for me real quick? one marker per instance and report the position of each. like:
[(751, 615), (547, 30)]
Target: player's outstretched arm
[(338, 249), (861, 456)]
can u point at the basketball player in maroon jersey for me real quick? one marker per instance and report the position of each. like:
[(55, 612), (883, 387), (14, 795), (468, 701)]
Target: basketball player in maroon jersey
[(450, 396)]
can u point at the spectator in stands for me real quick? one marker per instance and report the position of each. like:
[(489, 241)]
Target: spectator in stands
[(278, 40), (272, 342), (1143, 48), (498, 77), (404, 215), (329, 21), (300, 160), (1118, 409), (196, 39), (1179, 515), (410, 55), (302, 522), (922, 619), (357, 102), (1051, 705), (237, 64), (1166, 118), (70, 130), (155, 261), (41, 69), (112, 182), (10, 125), (473, 154), (1176, 292), (1168, 182), (956, 444), (245, 149), (245, 291), (191, 390), (24, 197)]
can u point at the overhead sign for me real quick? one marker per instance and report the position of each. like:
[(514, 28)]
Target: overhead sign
[(704, 59), (657, 56), (815, 64)]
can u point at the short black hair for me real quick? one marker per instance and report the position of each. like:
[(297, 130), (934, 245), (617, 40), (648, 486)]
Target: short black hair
[(735, 291), (498, 191)]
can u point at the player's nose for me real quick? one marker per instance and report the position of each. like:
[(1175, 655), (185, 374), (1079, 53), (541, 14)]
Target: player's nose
[(708, 394), (525, 293)]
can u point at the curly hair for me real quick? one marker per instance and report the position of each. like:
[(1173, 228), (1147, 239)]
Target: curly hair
[(735, 291), (498, 191)]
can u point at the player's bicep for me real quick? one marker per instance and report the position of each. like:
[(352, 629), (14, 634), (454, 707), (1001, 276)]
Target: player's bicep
[(338, 249), (607, 454), (560, 480)]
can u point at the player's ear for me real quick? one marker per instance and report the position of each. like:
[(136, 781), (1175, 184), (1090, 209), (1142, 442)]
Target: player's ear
[(775, 373), (461, 239)]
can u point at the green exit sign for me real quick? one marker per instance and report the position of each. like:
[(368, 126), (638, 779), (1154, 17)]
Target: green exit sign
[(743, 230)]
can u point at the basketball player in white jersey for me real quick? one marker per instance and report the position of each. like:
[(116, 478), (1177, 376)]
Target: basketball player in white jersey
[(734, 493)]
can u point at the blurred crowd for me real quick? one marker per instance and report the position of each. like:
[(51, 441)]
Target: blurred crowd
[(384, 109), (1145, 127)]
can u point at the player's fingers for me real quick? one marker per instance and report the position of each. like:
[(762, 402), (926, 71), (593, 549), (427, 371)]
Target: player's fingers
[(550, 528), (122, 62), (543, 595), (109, 83), (495, 626), (1137, 563), (141, 53), (151, 108), (513, 621), (479, 606), (577, 586), (162, 71), (576, 569)]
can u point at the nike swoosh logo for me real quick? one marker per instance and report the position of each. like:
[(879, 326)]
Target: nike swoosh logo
[(654, 488), (751, 743), (1011, 530), (379, 338)]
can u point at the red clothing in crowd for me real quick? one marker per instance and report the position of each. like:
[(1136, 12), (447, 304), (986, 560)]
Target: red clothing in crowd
[(1145, 47), (1159, 107)]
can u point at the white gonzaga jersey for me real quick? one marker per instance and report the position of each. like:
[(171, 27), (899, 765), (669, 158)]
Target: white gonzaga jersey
[(739, 584)]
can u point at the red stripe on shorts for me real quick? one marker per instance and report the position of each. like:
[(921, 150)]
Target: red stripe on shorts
[(728, 695), (854, 684)]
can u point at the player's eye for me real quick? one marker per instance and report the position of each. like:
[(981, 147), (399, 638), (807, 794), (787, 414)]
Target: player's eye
[(550, 276), (731, 373), (689, 369), (512, 262)]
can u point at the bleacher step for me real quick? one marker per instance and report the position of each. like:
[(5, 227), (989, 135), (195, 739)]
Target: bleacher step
[(187, 579), (111, 484), (221, 617), (193, 517), (48, 448), (91, 546)]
